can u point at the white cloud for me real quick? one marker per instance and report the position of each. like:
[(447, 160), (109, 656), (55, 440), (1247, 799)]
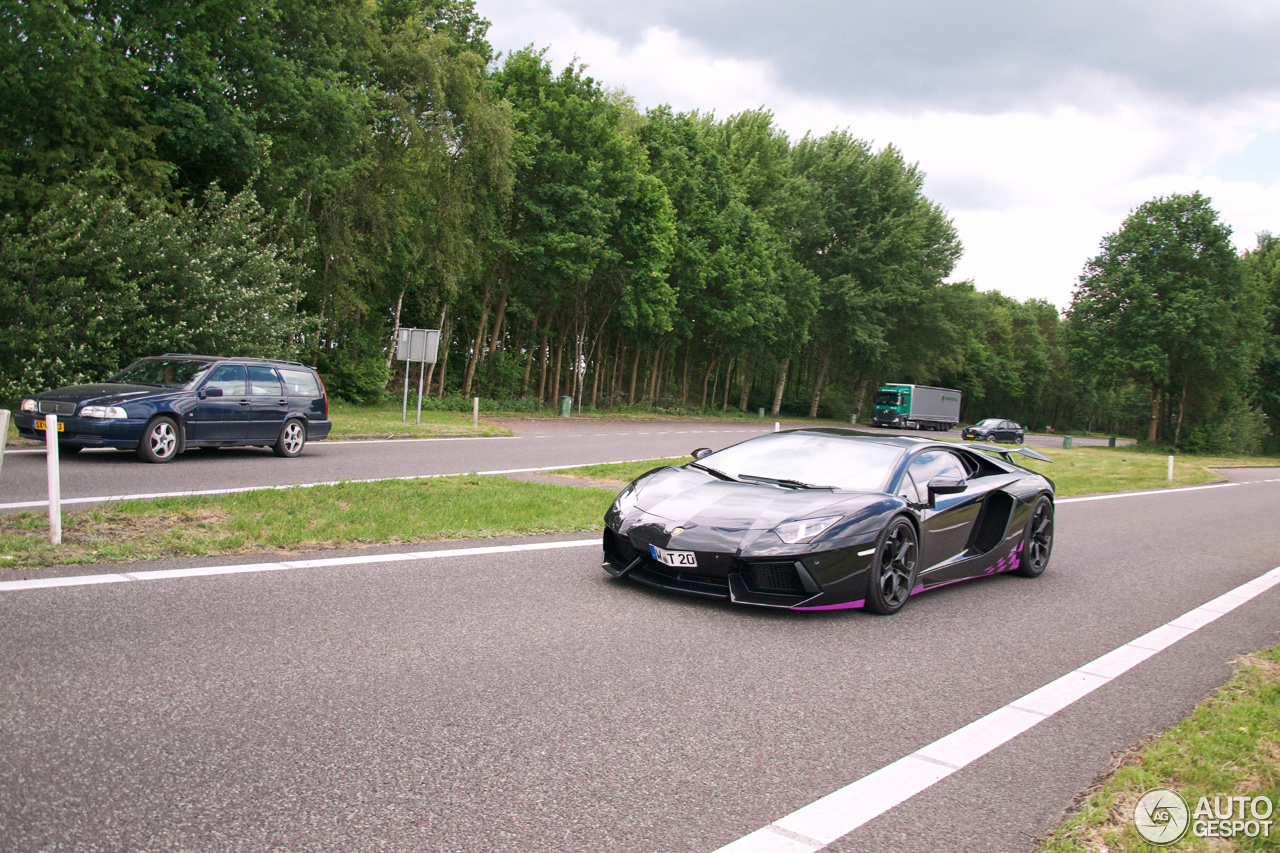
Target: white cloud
[(1034, 179)]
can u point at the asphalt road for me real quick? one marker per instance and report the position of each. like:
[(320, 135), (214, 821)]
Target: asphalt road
[(537, 443), (523, 702)]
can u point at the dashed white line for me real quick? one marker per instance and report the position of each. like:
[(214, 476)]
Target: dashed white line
[(823, 821)]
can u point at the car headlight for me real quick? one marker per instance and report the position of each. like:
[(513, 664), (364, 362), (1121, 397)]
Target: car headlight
[(794, 532), (625, 500), (103, 412), (28, 405)]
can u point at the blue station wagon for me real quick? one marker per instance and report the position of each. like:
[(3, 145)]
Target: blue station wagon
[(160, 406)]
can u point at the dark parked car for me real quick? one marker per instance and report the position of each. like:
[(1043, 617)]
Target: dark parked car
[(826, 519), (995, 429), (161, 406)]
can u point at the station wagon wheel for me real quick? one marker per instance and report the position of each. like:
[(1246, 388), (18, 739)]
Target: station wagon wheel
[(292, 438), (159, 441), (893, 569), (1038, 539)]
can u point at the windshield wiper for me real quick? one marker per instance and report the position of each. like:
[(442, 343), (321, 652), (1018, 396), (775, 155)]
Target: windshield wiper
[(789, 484), (713, 472)]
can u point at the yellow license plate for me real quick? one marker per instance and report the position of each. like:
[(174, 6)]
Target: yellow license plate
[(39, 425)]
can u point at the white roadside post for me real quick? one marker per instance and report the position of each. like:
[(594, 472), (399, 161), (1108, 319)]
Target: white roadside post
[(55, 488), (475, 412), (4, 433), (1170, 469)]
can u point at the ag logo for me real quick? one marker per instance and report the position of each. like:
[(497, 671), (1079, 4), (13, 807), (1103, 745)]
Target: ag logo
[(1161, 816)]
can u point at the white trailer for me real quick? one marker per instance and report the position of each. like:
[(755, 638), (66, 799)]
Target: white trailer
[(916, 407)]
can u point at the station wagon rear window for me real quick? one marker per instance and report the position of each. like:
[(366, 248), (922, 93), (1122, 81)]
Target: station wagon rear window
[(300, 383)]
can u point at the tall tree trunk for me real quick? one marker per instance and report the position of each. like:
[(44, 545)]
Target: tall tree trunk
[(478, 349), (728, 381), (746, 386), (544, 352), (859, 394), (1182, 408), (446, 335), (655, 376), (497, 326), (431, 368), (555, 384), (684, 375), (820, 378), (395, 331), (615, 384), (780, 387), (528, 359), (635, 368), (706, 378), (598, 367), (1153, 429)]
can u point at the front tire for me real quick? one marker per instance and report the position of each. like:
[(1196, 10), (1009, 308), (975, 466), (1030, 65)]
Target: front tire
[(893, 569), (293, 437), (1038, 539), (160, 441)]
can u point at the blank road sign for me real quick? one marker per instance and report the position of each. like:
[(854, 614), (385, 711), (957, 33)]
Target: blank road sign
[(417, 345)]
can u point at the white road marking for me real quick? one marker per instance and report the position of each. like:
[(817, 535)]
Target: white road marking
[(154, 495), (823, 821), (328, 562)]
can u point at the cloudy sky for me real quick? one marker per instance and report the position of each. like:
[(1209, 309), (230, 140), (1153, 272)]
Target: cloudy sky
[(1040, 125)]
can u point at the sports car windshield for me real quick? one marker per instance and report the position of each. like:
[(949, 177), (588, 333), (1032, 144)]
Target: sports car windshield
[(807, 459), (166, 372)]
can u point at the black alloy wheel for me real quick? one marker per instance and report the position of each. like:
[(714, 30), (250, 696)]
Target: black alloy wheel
[(893, 569), (1039, 539)]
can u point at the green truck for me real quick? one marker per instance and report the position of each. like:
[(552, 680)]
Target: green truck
[(916, 407)]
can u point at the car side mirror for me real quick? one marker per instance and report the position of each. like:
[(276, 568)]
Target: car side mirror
[(945, 486), (701, 452), (210, 392)]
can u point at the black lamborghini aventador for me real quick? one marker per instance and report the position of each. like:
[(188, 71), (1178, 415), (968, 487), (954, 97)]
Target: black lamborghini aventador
[(825, 519)]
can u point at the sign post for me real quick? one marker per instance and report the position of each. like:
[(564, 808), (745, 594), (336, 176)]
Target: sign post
[(418, 345), (55, 484)]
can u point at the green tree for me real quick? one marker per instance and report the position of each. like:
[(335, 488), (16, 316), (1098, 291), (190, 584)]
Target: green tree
[(588, 231), (1160, 306), (879, 247), (100, 279)]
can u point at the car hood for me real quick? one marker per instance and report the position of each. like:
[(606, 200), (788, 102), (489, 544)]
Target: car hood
[(101, 393), (693, 497)]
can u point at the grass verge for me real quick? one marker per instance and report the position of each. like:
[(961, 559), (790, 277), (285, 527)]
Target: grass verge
[(1098, 470), (384, 421), (358, 514), (344, 515), (1229, 746), (1081, 471), (623, 472)]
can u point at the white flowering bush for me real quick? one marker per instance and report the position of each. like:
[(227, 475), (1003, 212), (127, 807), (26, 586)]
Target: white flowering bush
[(94, 281)]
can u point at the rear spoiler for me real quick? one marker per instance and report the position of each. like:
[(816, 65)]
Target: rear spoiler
[(1004, 452)]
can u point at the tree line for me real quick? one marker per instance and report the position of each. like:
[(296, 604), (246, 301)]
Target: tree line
[(300, 179)]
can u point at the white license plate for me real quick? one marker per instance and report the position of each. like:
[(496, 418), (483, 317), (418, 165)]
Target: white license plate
[(676, 559)]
